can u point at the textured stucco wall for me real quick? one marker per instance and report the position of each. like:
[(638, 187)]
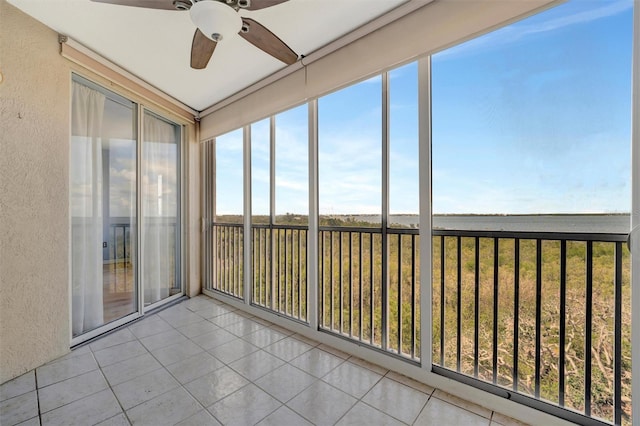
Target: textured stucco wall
[(34, 222)]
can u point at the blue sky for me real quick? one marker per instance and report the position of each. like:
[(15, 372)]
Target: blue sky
[(531, 118), (535, 117)]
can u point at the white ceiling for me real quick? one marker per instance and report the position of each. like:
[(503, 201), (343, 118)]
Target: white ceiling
[(155, 45)]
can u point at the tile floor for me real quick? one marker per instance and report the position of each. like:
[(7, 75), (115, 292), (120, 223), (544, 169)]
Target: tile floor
[(201, 362)]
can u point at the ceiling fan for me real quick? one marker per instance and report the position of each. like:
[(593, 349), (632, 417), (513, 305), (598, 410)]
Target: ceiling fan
[(218, 19)]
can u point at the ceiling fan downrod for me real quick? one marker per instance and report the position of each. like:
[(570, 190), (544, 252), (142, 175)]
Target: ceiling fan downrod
[(236, 4)]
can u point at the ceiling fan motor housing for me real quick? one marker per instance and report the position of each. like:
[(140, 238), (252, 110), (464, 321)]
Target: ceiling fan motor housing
[(216, 20)]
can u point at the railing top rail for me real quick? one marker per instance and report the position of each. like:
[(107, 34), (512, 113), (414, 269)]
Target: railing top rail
[(231, 225), (529, 235), (279, 226), (372, 230)]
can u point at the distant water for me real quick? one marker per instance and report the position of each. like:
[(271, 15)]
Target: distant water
[(584, 223)]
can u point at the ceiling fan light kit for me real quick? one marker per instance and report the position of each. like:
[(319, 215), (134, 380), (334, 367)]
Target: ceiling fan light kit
[(215, 20), (218, 19)]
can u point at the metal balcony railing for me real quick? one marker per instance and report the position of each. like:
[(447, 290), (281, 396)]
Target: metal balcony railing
[(544, 318), (228, 255), (369, 294), (279, 264)]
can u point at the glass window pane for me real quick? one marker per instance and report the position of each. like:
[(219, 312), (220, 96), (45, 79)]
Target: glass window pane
[(404, 199), (103, 206), (292, 167), (260, 172), (350, 165), (229, 178), (160, 202), (535, 118)]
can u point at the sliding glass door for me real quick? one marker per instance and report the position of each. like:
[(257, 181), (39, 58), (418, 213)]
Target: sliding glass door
[(103, 207), (160, 202), (124, 188)]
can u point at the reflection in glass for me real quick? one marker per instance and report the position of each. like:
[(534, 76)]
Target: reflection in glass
[(160, 201), (103, 207)]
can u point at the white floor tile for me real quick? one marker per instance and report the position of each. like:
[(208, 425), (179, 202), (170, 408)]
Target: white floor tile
[(174, 353), (363, 414), (144, 388), (166, 409), (322, 404), (160, 340), (256, 365), (90, 410), (284, 416), (193, 367), (502, 420), (397, 400), (213, 339), (352, 379), (438, 412), (130, 369), (61, 370), (119, 420), (35, 421), (264, 337), (288, 348), (474, 408), (67, 391), (317, 362), (18, 386), (197, 328), (201, 418), (234, 409), (121, 336), (244, 327), (233, 350), (19, 409), (216, 385), (117, 353), (226, 319), (285, 382), (149, 326)]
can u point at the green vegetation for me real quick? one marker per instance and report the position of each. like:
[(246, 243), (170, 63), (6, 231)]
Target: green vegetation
[(575, 317), (351, 287)]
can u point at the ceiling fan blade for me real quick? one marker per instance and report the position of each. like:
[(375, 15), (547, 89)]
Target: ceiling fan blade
[(149, 4), (263, 39), (201, 50), (261, 4)]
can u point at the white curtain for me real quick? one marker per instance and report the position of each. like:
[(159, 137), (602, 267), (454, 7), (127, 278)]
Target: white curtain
[(86, 208), (159, 207)]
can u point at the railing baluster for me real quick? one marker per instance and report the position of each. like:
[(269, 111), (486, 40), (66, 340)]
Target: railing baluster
[(414, 302), (496, 266), (360, 283), (286, 273), (340, 271), (331, 323), (516, 310), (350, 285), (476, 309), (562, 330), (322, 278), (587, 328), (458, 302), (538, 314), (399, 293), (371, 286), (617, 344), (442, 298)]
